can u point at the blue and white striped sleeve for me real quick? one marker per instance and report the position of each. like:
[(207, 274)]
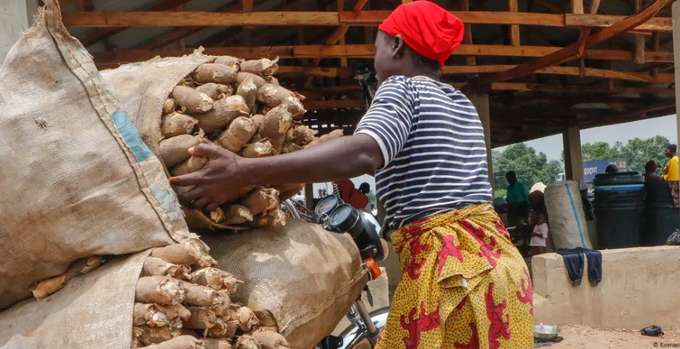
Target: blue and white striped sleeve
[(389, 119)]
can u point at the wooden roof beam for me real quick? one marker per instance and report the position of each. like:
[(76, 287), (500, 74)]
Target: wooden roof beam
[(288, 71), (364, 18), (364, 51), (573, 51), (102, 34)]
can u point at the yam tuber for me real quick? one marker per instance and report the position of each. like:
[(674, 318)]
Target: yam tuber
[(264, 66), (276, 124), (184, 253), (192, 100), (273, 95), (258, 120), (258, 80), (177, 124), (262, 200), (223, 309), (247, 319), (154, 266), (201, 318), (289, 148), (212, 72), (267, 320), (335, 134), (201, 296), (247, 342), (148, 335), (214, 278), (216, 91), (210, 343), (273, 219), (148, 314), (237, 135), (159, 289), (229, 61), (181, 342), (220, 330), (248, 90), (173, 312), (176, 149), (79, 267), (259, 149), (169, 106), (217, 215), (270, 340), (237, 214), (224, 112), (193, 164), (303, 135)]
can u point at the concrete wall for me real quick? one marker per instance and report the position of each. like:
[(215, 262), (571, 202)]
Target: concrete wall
[(15, 17), (640, 287)]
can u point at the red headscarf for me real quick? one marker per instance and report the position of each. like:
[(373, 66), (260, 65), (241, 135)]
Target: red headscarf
[(426, 28)]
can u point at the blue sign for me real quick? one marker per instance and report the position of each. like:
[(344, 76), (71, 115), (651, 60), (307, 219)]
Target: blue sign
[(591, 168)]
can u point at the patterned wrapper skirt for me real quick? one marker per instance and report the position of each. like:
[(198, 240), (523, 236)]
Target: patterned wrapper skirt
[(675, 192), (463, 285)]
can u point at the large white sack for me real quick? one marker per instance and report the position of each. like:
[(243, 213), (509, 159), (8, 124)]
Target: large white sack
[(568, 226)]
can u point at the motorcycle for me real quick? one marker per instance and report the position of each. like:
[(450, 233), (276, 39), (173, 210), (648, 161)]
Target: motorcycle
[(336, 216)]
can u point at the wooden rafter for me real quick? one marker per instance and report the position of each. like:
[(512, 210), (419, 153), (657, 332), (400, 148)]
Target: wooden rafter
[(365, 51), (287, 71), (573, 51), (102, 34), (340, 32), (365, 18)]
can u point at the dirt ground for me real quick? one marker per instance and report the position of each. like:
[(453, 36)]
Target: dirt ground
[(586, 337)]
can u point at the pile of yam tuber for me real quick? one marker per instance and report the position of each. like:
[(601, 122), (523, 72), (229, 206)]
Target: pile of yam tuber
[(182, 301), (239, 106)]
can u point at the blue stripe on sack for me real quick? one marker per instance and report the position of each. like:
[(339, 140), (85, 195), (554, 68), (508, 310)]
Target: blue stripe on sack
[(578, 222), (131, 135)]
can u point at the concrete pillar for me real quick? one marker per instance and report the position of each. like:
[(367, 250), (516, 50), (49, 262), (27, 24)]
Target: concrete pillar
[(481, 103), (15, 17), (573, 160)]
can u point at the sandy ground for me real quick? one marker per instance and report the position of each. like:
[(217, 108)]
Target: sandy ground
[(586, 337)]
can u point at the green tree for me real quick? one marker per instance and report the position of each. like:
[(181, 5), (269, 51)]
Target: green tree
[(636, 152), (531, 167)]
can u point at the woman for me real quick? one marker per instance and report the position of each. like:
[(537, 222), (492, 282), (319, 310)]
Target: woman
[(464, 284)]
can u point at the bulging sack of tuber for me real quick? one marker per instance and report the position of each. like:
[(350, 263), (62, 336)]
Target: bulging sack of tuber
[(84, 182)]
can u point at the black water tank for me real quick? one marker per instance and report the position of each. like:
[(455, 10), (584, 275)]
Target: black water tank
[(619, 205), (661, 216)]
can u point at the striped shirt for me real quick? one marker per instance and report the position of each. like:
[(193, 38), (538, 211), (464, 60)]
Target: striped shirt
[(433, 147)]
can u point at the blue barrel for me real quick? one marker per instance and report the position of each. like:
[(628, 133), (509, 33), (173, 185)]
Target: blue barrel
[(662, 218), (619, 206)]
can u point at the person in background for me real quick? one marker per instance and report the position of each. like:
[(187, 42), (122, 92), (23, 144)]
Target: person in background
[(350, 194), (518, 200), (611, 169), (366, 189), (650, 172), (540, 235), (463, 283), (587, 205), (670, 172)]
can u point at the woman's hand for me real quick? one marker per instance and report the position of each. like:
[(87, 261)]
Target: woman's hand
[(221, 180)]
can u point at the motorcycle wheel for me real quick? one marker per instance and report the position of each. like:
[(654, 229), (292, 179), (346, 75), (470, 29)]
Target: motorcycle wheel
[(354, 337)]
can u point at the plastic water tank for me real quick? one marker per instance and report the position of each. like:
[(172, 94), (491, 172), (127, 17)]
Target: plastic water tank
[(619, 205), (661, 217)]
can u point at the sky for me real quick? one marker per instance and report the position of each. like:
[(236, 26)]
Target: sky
[(552, 146), (664, 126)]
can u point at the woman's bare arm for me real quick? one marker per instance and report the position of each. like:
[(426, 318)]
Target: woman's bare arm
[(226, 173)]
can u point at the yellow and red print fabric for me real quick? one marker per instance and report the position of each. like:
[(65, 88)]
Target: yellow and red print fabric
[(464, 285)]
